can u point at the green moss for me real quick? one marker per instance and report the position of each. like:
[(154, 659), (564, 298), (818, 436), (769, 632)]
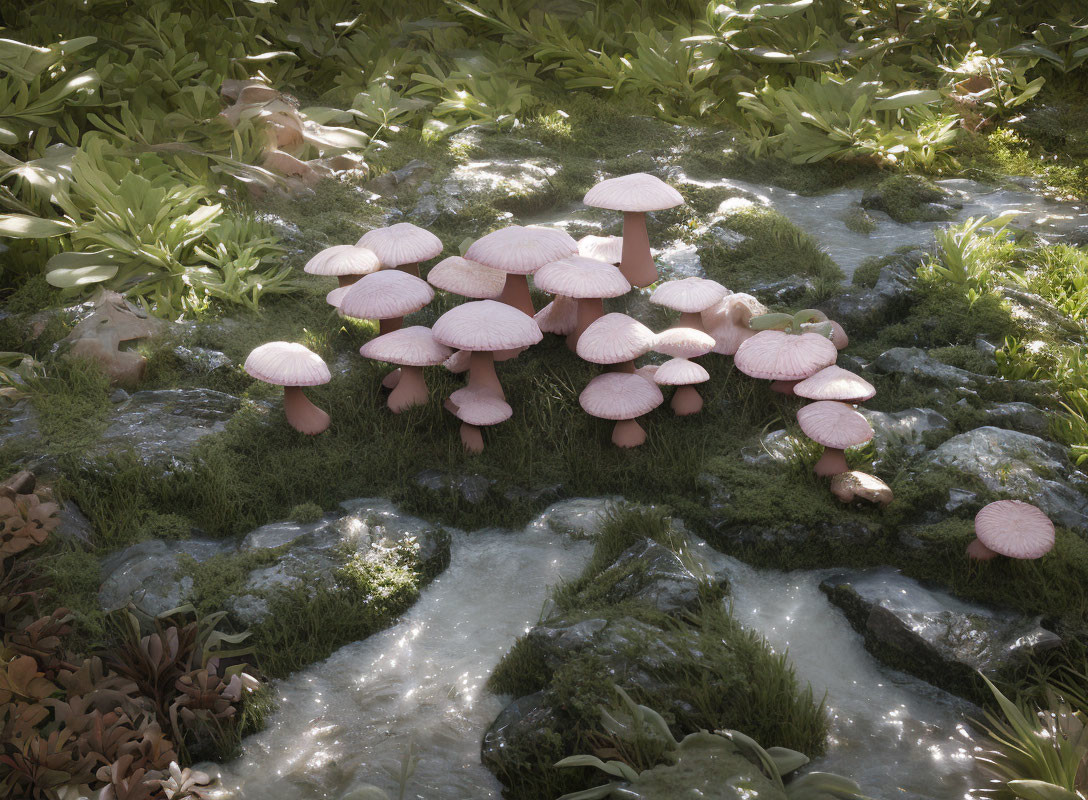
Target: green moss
[(71, 577), (859, 221), (908, 198), (72, 404), (306, 513), (868, 273)]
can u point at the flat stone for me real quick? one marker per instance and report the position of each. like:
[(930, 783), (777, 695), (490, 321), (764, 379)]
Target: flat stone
[(903, 429), (863, 309), (579, 518), (1019, 417), (656, 576), (473, 488), (914, 363), (148, 574), (202, 360)]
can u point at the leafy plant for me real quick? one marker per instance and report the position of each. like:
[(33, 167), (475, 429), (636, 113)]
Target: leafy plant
[(966, 256)]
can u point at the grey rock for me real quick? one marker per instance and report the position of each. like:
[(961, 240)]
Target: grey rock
[(148, 574), (401, 181), (788, 291), (655, 575), (74, 526), (1018, 416), (1034, 312), (862, 309), (473, 488), (201, 360), (958, 498), (932, 634), (727, 237), (914, 363), (579, 518), (776, 447), (904, 429), (119, 395)]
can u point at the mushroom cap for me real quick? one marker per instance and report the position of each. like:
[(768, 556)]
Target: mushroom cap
[(466, 278), (689, 295), (834, 424), (578, 276), (604, 248), (343, 259), (781, 356), (1015, 529), (521, 250), (410, 347), (635, 192), (402, 243), (835, 383), (852, 485), (680, 372), (560, 316), (647, 371), (683, 342), (727, 322), (619, 395), (336, 296), (385, 295), (613, 339), (486, 325), (287, 364), (460, 361), (480, 408)]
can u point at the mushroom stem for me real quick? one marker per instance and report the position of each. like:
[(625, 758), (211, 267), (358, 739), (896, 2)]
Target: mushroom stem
[(783, 387), (515, 292), (690, 319), (590, 309), (481, 373), (622, 366), (637, 263), (346, 280), (686, 400), (390, 325), (301, 414), (832, 462), (391, 380), (979, 552), (411, 390), (472, 438), (412, 269), (628, 433)]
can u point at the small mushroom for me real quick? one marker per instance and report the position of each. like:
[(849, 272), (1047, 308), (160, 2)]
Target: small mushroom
[(588, 281), (836, 426), (622, 397), (681, 373), (855, 485), (683, 342), (411, 349), (476, 409), (784, 358), (292, 366), (467, 278), (634, 195), (520, 251), (345, 262), (691, 297), (560, 316), (602, 248), (838, 333), (1011, 528), (615, 339), (402, 246), (386, 296), (728, 321), (835, 383)]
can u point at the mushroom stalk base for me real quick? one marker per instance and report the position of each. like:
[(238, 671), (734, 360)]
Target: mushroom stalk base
[(411, 390), (481, 374), (832, 462), (980, 552), (686, 400), (301, 414), (515, 292), (637, 263), (628, 433), (472, 438), (590, 309)]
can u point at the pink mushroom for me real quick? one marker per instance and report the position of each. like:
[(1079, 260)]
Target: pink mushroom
[(838, 333), (615, 339), (483, 327), (560, 316), (402, 246), (467, 278), (728, 321), (836, 426), (683, 342), (855, 485), (602, 248), (784, 358), (386, 296), (835, 383), (520, 251), (345, 262), (681, 373), (292, 366), (691, 297), (588, 281), (411, 349), (622, 397), (634, 195), (1011, 528), (476, 409)]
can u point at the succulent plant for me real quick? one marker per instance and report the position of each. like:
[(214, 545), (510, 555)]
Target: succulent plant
[(20, 678), (126, 781), (38, 766), (183, 784), (25, 521)]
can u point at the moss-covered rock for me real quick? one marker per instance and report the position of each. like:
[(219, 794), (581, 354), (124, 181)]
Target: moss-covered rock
[(911, 198)]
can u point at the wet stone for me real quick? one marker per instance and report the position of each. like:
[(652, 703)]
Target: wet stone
[(904, 430)]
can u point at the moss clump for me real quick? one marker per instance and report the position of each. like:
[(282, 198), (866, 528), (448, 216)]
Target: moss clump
[(306, 513), (72, 405), (909, 198), (868, 272), (859, 220)]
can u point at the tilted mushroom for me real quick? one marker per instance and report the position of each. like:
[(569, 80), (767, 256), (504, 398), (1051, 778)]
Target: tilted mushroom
[(784, 358), (691, 297), (292, 366), (345, 262), (402, 246), (838, 333), (728, 321), (634, 195), (386, 296), (520, 251), (1011, 528), (835, 383), (836, 426), (483, 327), (411, 349), (588, 281), (602, 248), (467, 278), (622, 397), (336, 296), (681, 373), (477, 409), (560, 316), (615, 339), (855, 485)]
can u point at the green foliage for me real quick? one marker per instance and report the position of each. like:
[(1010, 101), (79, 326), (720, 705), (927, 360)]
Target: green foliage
[(967, 258), (306, 513)]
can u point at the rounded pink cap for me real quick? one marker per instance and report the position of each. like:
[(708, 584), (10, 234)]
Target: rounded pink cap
[(603, 248), (727, 321), (683, 342), (459, 362), (343, 259), (834, 424), (680, 372), (619, 395), (578, 276), (385, 295), (403, 243), (781, 356), (480, 408), (287, 364), (838, 333), (613, 339), (336, 296), (467, 278), (835, 383), (410, 347), (635, 192), (1015, 529), (521, 250), (482, 325), (689, 295), (560, 316)]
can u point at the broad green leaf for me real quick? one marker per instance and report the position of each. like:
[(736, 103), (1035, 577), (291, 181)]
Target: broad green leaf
[(1041, 790), (908, 99), (780, 9), (24, 226), (786, 760), (80, 276)]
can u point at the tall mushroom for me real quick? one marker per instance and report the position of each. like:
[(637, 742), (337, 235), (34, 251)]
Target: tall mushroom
[(622, 397), (602, 248), (691, 297), (588, 281), (477, 409), (467, 278), (386, 296), (784, 358), (1011, 528), (634, 195), (292, 366), (615, 339), (682, 374), (728, 321), (835, 383), (520, 251), (345, 262), (402, 246), (483, 327), (411, 349), (836, 426)]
